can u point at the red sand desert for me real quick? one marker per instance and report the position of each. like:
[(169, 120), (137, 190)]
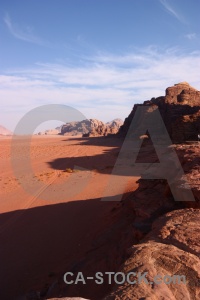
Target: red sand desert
[(46, 228)]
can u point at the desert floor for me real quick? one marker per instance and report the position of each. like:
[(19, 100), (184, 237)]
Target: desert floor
[(50, 215)]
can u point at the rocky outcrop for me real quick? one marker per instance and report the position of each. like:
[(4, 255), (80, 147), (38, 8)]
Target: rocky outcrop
[(182, 93), (178, 228), (170, 250), (180, 110), (190, 160), (97, 128), (91, 127), (76, 128), (114, 125), (162, 265), (55, 131), (186, 127), (50, 132), (4, 131)]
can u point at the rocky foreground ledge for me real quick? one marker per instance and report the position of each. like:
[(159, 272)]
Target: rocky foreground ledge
[(172, 245)]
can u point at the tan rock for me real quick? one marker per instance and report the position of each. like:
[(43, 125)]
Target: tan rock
[(167, 261), (180, 110), (179, 228)]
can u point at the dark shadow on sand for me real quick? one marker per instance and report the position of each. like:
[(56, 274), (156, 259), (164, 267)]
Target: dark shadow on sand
[(39, 244)]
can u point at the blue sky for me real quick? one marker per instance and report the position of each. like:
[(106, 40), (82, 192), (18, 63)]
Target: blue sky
[(99, 56)]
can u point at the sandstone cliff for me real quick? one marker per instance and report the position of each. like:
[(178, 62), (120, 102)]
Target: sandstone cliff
[(180, 110), (91, 127)]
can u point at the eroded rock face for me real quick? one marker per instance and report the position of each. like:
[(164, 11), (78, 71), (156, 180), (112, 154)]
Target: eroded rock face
[(178, 228), (182, 93), (76, 128), (114, 125), (180, 110), (186, 127), (98, 128), (165, 261), (190, 160), (91, 127), (50, 132), (171, 248)]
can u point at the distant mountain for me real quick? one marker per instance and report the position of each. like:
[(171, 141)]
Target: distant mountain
[(179, 109), (50, 131), (115, 123), (91, 127), (5, 131)]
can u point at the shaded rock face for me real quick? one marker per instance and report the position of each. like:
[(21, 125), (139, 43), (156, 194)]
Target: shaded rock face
[(180, 110), (186, 127), (169, 242), (4, 131), (91, 127), (190, 161), (114, 125)]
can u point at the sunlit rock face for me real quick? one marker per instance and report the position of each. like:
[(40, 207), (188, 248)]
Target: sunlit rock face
[(91, 127), (180, 110)]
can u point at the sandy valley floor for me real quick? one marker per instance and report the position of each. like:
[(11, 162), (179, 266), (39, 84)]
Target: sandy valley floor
[(50, 215)]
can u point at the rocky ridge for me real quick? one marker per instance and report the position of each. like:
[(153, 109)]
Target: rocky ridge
[(91, 127), (180, 111)]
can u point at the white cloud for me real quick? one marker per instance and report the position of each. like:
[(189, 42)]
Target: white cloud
[(172, 11), (105, 86), (191, 36), (22, 34)]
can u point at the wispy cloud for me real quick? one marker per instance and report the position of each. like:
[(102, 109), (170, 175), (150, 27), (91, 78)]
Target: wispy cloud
[(105, 86), (172, 11), (22, 34), (191, 36)]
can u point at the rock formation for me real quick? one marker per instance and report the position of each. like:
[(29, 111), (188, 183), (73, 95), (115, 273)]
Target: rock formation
[(4, 131), (114, 125), (172, 248), (91, 127), (50, 132), (180, 110)]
